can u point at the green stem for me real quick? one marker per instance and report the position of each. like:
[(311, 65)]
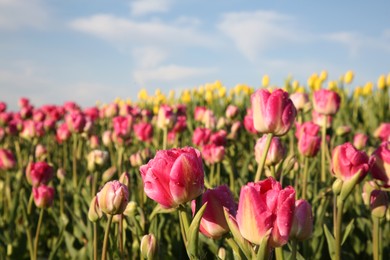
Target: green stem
[(95, 246), (120, 235), (106, 234), (61, 191), (323, 149), (74, 161), (30, 203), (305, 170), (94, 184), (279, 253), (293, 249), (236, 249), (375, 238), (165, 137), (338, 235), (264, 250), (263, 157), (37, 233), (218, 177), (185, 223)]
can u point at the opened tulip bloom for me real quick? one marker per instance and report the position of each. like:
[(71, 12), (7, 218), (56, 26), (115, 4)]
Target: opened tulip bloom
[(39, 173), (326, 102), (7, 159), (174, 177), (272, 112), (264, 206)]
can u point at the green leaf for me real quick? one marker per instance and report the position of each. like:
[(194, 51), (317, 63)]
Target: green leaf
[(264, 249), (244, 245), (349, 228), (331, 242), (349, 185), (193, 233)]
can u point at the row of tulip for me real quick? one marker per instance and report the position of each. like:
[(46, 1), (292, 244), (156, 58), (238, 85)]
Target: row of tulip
[(293, 172)]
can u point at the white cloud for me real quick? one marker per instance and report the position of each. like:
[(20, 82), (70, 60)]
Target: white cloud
[(147, 57), (255, 32), (169, 73), (16, 14), (143, 7), (126, 31)]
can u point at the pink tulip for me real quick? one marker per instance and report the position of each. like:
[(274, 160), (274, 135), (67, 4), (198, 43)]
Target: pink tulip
[(347, 161), (143, 131), (32, 129), (201, 136), (276, 151), (379, 202), (248, 122), (381, 168), (75, 121), (62, 133), (213, 223), (113, 198), (218, 138), (318, 119), (70, 106), (302, 227), (7, 159), (107, 137), (23, 102), (199, 113), (265, 206), (26, 112), (111, 110), (174, 177), (166, 117), (212, 153), (360, 141), (272, 112), (92, 113), (300, 100), (326, 102), (3, 107), (122, 125), (231, 111), (39, 173), (308, 141), (38, 115), (180, 124), (41, 152), (383, 132), (43, 196)]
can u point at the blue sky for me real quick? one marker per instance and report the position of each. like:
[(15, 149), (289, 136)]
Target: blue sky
[(87, 50)]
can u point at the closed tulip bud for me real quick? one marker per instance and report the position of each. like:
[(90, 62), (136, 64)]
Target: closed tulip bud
[(343, 130), (368, 187), (272, 112), (61, 173), (122, 125), (166, 117), (43, 196), (209, 120), (326, 102), (94, 142), (40, 152), (347, 162), (106, 138), (136, 159), (213, 223), (276, 151), (62, 133), (381, 167), (108, 174), (7, 159), (212, 153), (143, 131), (131, 209), (149, 246), (379, 202), (300, 100), (174, 177), (113, 198), (383, 132), (125, 179), (360, 141), (3, 107), (199, 113), (231, 111), (348, 77), (302, 227), (234, 129), (39, 173), (94, 213), (201, 136), (221, 123), (96, 157), (222, 253), (265, 207)]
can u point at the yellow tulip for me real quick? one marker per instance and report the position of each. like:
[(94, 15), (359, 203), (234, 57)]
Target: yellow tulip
[(209, 96), (222, 92), (388, 80), (348, 77), (143, 94), (367, 90), (332, 85), (295, 85), (186, 96), (381, 82), (324, 75), (265, 81)]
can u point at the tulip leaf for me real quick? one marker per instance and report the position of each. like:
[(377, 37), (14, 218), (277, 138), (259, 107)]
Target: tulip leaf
[(241, 242), (264, 249), (348, 230), (331, 242), (349, 185), (193, 233)]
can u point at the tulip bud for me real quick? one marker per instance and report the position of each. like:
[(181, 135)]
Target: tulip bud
[(165, 118), (94, 213), (222, 253), (113, 198), (7, 159), (212, 153), (378, 203), (201, 136), (231, 111), (300, 100), (96, 157), (131, 208), (125, 179), (326, 102), (368, 187), (383, 132), (108, 174), (43, 196), (302, 226), (106, 138), (148, 246), (39, 173), (360, 141), (94, 142), (343, 130), (337, 186), (61, 173)]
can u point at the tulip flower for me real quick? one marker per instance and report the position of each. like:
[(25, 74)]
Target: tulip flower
[(7, 159), (94, 212), (276, 151), (143, 131), (39, 173), (265, 207), (360, 141), (300, 100), (218, 138), (248, 122), (381, 167), (149, 247), (213, 223), (122, 125), (383, 132), (166, 117), (302, 227), (231, 111), (62, 133), (212, 153), (272, 112), (379, 202), (43, 196), (113, 198), (75, 121), (201, 136), (174, 177), (326, 102), (3, 107)]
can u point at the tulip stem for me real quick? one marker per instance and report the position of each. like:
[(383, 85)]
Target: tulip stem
[(293, 249), (95, 248), (323, 149), (305, 170), (74, 161), (340, 205), (165, 137), (375, 238), (30, 203), (263, 157), (106, 234), (279, 253), (37, 233), (184, 223)]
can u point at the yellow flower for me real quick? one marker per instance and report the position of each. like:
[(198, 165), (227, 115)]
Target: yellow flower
[(209, 96), (295, 85), (300, 89), (117, 100), (222, 92), (311, 81), (332, 85), (324, 75), (265, 81), (348, 77), (317, 84), (367, 90), (388, 80), (155, 109), (358, 91), (381, 82), (128, 101), (143, 94), (201, 90), (186, 96)]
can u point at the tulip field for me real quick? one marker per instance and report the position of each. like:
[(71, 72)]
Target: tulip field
[(298, 171)]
